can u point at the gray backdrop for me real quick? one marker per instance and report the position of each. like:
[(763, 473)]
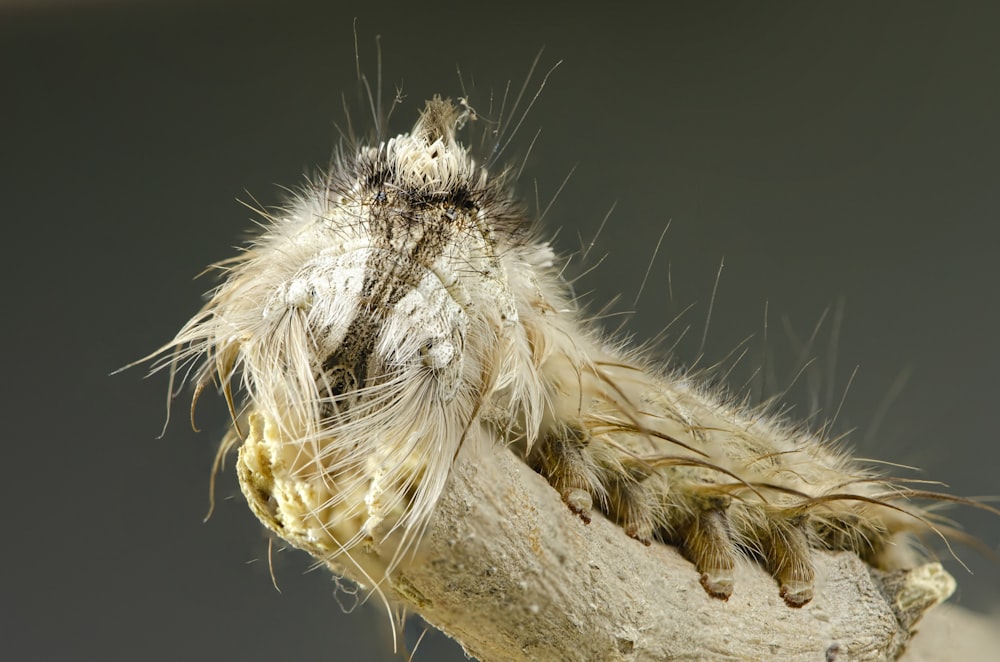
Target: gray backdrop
[(828, 155)]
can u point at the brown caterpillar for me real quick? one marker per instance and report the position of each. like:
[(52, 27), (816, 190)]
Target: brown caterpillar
[(403, 305)]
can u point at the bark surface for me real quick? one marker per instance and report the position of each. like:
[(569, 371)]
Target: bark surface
[(509, 572)]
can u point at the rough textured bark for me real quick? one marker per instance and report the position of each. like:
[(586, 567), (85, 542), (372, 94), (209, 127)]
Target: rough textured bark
[(510, 573)]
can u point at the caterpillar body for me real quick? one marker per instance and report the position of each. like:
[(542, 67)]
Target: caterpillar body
[(403, 306)]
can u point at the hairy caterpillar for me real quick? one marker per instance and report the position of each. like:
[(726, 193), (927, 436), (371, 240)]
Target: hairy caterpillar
[(403, 306)]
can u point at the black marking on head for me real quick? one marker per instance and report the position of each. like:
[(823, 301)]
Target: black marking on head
[(407, 240), (370, 177), (411, 225)]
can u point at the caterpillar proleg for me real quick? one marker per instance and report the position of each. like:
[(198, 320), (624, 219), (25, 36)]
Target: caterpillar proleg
[(403, 306)]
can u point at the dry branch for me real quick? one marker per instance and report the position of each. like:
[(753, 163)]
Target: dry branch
[(510, 573)]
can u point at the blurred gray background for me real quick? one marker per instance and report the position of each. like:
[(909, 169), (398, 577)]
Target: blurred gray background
[(828, 154)]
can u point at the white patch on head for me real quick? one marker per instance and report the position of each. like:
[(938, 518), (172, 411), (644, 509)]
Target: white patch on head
[(427, 328), (327, 289)]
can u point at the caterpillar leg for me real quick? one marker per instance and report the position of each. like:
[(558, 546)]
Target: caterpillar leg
[(787, 552), (633, 503), (706, 540), (561, 458)]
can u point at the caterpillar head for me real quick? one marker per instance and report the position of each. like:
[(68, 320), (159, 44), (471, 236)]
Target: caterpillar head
[(368, 326)]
